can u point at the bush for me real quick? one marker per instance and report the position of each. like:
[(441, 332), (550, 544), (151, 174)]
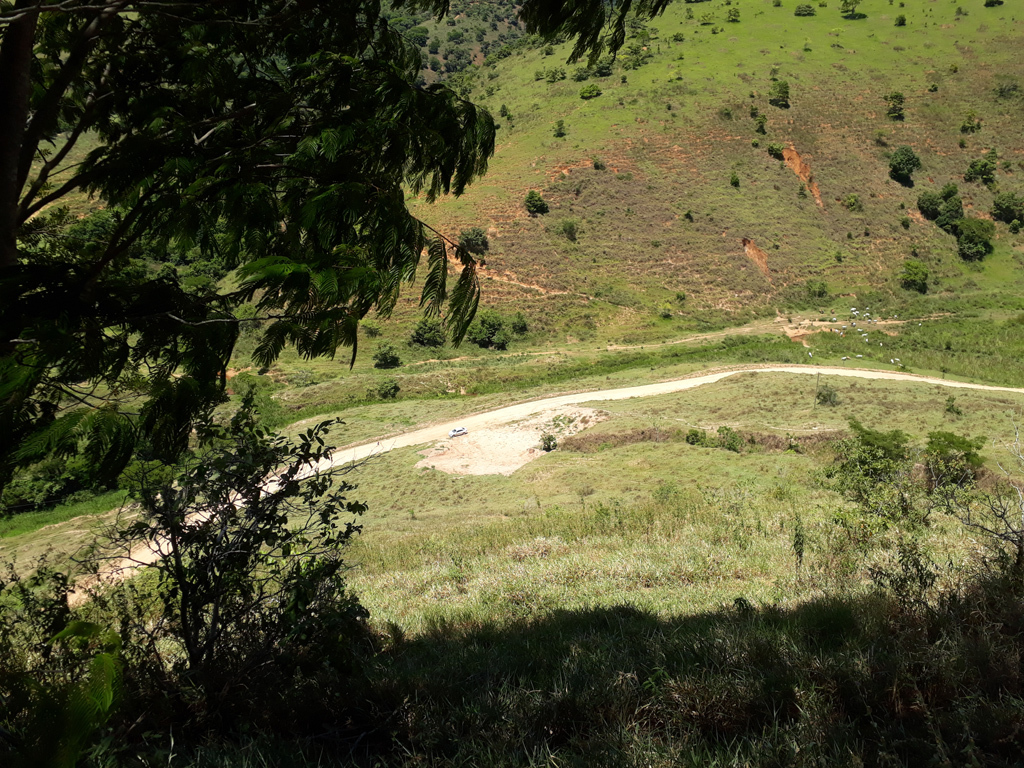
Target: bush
[(902, 164), (776, 150), (760, 123), (734, 180), (535, 204), (983, 170), (1007, 207), (429, 332), (901, 20), (599, 164), (894, 106), (590, 91), (951, 211), (778, 94), (853, 203), (581, 74), (973, 238), (554, 75), (729, 439), (492, 330), (548, 442), (732, 15), (474, 240), (697, 437), (569, 229), (370, 329), (387, 389), (804, 10), (929, 204), (559, 130), (971, 123), (827, 395), (817, 289), (518, 324), (386, 356), (914, 277)]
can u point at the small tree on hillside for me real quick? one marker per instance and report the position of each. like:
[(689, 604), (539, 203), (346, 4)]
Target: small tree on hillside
[(849, 9), (590, 91), (902, 164), (974, 238), (429, 332), (386, 356), (535, 204), (894, 105), (914, 277), (474, 240), (778, 94)]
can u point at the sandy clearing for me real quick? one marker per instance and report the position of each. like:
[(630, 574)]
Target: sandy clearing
[(534, 409), (502, 449)]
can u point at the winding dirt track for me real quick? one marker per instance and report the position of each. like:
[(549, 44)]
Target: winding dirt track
[(519, 411)]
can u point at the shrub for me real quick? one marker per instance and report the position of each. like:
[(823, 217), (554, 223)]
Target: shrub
[(734, 180), (760, 121), (386, 356), (971, 123), (804, 10), (518, 324), (853, 203), (778, 94), (817, 289), (603, 68), (827, 395), (429, 332), (569, 229), (902, 164), (849, 8), (590, 91), (599, 164), (973, 238), (901, 20), (929, 204), (581, 74), (894, 106), (548, 442), (914, 277), (776, 150), (1008, 207), (697, 437), (555, 74), (535, 203), (982, 169), (370, 329), (952, 459), (559, 131), (387, 389), (729, 439), (474, 240), (491, 329), (950, 213), (732, 15)]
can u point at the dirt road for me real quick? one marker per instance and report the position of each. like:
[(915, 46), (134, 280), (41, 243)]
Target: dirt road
[(491, 420)]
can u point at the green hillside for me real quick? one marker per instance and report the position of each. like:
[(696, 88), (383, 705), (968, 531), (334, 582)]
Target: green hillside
[(673, 125)]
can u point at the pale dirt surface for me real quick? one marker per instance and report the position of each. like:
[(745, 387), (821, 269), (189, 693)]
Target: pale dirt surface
[(501, 420), (502, 449)]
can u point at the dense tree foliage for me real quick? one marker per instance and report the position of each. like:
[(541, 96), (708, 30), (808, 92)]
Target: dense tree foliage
[(274, 138)]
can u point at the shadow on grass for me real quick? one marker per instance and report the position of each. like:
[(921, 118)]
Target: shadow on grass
[(868, 681)]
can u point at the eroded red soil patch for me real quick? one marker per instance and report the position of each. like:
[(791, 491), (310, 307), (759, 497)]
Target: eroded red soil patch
[(800, 167), (756, 255)]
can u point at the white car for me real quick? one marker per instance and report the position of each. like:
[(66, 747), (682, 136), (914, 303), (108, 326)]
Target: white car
[(458, 431)]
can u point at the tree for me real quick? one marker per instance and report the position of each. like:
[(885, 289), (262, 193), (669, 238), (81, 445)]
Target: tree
[(902, 164), (474, 240), (590, 91), (1008, 207), (983, 169), (286, 155), (901, 20), (974, 238), (894, 106), (778, 94), (914, 277), (849, 9), (428, 332), (386, 356), (250, 587), (535, 204), (559, 131), (929, 203)]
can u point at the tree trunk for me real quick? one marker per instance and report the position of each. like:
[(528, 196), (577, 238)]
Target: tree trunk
[(15, 88)]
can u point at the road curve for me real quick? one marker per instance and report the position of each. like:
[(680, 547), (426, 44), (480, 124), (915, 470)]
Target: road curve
[(509, 413)]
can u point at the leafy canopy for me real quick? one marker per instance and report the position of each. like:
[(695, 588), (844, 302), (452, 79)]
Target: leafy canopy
[(276, 138)]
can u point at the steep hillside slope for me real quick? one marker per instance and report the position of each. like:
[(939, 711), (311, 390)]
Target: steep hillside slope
[(685, 199)]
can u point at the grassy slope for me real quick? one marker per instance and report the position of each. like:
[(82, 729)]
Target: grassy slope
[(636, 250)]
